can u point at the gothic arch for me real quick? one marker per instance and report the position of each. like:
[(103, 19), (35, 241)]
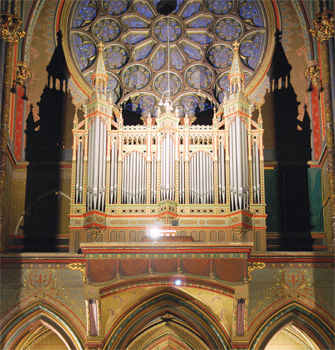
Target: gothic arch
[(29, 320), (303, 318), (158, 308)]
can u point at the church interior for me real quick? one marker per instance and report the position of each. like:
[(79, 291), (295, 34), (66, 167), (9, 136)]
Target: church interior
[(167, 175)]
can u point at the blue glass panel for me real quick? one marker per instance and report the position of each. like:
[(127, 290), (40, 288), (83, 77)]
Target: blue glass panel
[(158, 60), (220, 56), (199, 77), (201, 22), (179, 3), (201, 38), (167, 30), (143, 52), (192, 52), (251, 49), (134, 22), (250, 11), (85, 13), (116, 7), (133, 39), (115, 56), (107, 30), (220, 7), (144, 9), (189, 103), (177, 60), (146, 104), (84, 49), (228, 29), (161, 83), (191, 9), (136, 77)]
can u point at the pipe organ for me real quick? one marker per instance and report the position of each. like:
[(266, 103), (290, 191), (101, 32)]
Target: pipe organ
[(215, 169), (204, 181)]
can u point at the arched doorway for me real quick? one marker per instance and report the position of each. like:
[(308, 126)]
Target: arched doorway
[(40, 327), (291, 337), (169, 318), (294, 327)]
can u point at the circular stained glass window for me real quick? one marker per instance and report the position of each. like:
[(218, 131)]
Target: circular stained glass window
[(187, 53)]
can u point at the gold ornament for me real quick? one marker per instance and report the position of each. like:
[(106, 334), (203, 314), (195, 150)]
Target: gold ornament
[(22, 73), (324, 26), (10, 28)]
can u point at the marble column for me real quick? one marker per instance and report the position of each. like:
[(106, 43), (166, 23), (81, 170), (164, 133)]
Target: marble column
[(324, 31), (10, 32)]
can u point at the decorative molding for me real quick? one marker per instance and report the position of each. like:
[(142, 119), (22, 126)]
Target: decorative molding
[(94, 232), (167, 317), (241, 232), (78, 266), (253, 266)]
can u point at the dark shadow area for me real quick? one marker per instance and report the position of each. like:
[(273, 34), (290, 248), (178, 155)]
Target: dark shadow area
[(46, 143), (289, 140), (205, 116), (131, 117)]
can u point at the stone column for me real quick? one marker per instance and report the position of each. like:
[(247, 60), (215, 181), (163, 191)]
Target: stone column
[(324, 31), (10, 32)]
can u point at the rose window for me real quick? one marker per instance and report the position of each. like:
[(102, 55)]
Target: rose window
[(187, 54)]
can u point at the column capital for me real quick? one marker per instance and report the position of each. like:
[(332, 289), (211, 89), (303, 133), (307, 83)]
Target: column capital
[(10, 27), (22, 73), (312, 73), (324, 26)]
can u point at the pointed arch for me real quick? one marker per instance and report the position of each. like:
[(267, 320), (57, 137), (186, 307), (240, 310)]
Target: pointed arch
[(303, 318), (193, 315), (28, 320)]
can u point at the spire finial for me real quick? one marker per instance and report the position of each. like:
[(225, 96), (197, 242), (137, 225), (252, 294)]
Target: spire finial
[(236, 76)]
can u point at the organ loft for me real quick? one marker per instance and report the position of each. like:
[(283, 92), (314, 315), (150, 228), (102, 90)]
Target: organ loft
[(168, 176)]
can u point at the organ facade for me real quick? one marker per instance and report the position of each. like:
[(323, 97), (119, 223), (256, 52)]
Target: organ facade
[(168, 173)]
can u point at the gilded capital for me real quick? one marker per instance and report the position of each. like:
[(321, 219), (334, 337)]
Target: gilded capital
[(10, 28), (22, 73), (312, 73), (324, 26)]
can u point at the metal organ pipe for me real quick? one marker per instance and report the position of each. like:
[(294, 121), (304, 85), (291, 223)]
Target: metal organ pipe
[(167, 169), (221, 174), (113, 179), (245, 167), (239, 190), (256, 186), (134, 179), (79, 174), (201, 179), (96, 185), (153, 180), (181, 180)]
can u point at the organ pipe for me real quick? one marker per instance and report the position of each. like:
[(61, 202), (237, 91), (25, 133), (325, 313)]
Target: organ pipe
[(96, 181), (256, 186), (79, 174), (113, 177), (239, 190), (181, 180), (153, 180), (201, 179), (221, 174), (167, 169), (133, 179)]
